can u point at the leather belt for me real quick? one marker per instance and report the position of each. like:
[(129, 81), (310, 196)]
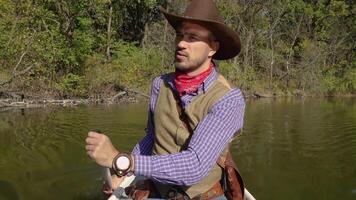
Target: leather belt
[(212, 193)]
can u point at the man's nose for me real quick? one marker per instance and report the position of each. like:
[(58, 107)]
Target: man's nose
[(182, 44)]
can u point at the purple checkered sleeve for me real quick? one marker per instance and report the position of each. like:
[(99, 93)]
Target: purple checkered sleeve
[(210, 138)]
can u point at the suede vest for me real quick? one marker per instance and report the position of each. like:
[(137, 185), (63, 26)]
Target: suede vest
[(171, 136)]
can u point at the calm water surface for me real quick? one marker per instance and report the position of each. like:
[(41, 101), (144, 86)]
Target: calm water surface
[(289, 149)]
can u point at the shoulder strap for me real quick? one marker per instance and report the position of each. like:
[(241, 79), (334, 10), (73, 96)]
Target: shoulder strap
[(181, 111)]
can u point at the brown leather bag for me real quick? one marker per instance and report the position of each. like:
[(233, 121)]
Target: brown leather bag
[(232, 182), (142, 190)]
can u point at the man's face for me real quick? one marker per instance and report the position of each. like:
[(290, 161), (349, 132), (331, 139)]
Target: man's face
[(195, 45)]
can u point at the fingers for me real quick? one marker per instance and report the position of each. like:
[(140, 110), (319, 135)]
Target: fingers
[(96, 130), (90, 154), (94, 134), (90, 147), (107, 190), (91, 141), (95, 138), (100, 149)]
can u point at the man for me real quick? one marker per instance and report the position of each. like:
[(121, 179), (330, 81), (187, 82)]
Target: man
[(193, 113)]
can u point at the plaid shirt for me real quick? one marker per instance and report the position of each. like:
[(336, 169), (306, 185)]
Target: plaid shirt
[(212, 134)]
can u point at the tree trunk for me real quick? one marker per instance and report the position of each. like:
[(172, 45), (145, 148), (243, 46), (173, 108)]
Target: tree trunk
[(164, 38), (272, 60), (247, 49), (293, 44), (108, 55), (146, 32)]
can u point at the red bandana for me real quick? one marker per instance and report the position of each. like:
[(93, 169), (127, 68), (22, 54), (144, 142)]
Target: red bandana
[(188, 84)]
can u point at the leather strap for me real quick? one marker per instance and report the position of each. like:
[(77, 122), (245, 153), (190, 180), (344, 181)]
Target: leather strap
[(182, 115), (212, 193)]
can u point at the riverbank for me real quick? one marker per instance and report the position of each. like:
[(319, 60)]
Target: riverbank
[(21, 100), (9, 103), (122, 97)]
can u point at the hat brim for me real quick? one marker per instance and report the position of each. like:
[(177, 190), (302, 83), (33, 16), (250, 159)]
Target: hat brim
[(228, 39)]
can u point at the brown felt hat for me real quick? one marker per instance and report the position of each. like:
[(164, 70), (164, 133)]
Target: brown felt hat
[(205, 12)]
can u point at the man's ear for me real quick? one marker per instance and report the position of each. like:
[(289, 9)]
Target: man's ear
[(214, 47)]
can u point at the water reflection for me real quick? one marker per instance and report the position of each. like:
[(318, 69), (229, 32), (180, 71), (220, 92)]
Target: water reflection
[(300, 149), (42, 150), (289, 149)]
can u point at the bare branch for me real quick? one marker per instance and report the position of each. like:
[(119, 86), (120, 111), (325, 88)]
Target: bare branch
[(23, 71), (19, 62), (24, 53), (16, 75)]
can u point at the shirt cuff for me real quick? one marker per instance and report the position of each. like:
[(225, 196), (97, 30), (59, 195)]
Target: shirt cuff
[(143, 165)]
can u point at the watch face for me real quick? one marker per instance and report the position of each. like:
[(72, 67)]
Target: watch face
[(123, 163)]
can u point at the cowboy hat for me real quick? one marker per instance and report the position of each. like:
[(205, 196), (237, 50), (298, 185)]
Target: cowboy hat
[(205, 12)]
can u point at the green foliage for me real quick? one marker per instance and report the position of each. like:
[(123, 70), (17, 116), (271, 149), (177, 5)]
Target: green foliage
[(73, 85), (341, 78), (247, 79), (286, 45), (131, 66)]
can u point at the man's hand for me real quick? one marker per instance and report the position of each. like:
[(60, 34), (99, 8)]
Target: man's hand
[(116, 181), (100, 149)]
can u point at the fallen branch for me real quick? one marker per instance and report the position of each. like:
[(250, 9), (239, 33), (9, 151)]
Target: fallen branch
[(33, 103), (137, 92), (262, 95), (4, 104), (112, 99)]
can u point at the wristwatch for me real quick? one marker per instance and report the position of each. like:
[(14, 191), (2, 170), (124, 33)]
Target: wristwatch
[(122, 164)]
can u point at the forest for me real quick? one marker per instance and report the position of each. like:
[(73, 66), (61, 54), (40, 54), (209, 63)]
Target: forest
[(98, 48)]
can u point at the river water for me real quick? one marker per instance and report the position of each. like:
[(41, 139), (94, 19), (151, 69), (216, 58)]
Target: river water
[(288, 149)]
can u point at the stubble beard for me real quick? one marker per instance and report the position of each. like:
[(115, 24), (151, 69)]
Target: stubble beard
[(189, 65)]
